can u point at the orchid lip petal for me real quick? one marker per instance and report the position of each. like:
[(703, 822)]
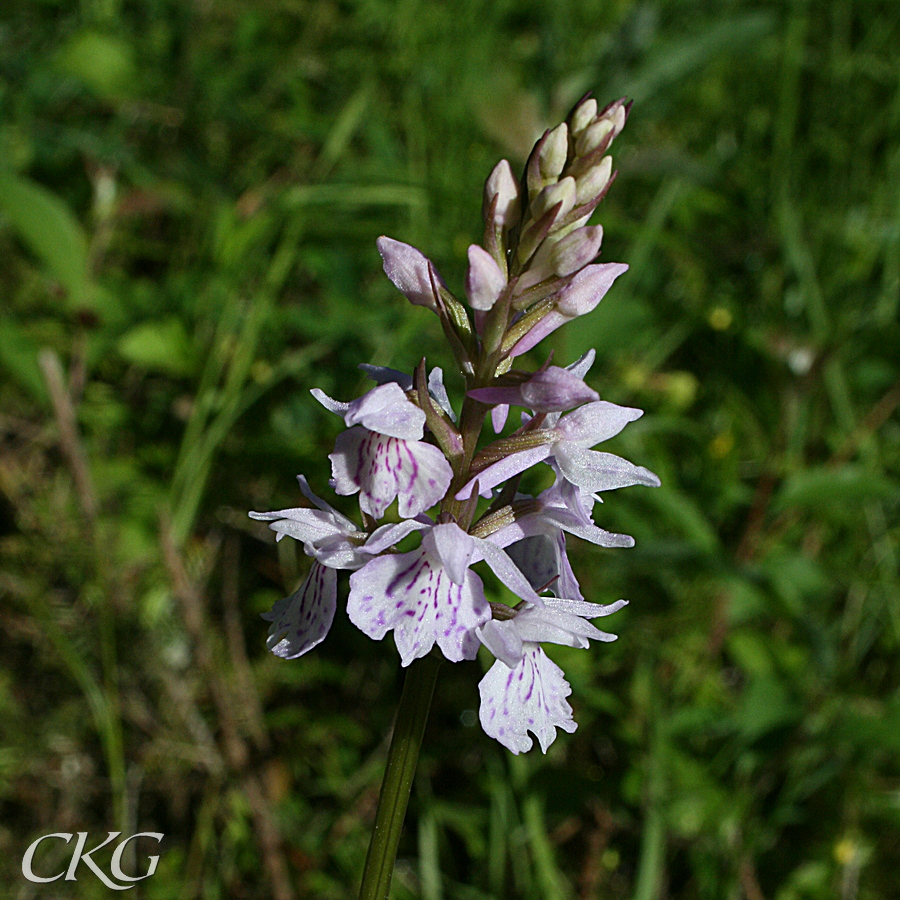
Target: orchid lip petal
[(528, 698), (302, 621), (383, 468), (412, 595)]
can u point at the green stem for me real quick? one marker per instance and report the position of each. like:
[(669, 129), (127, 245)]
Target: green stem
[(403, 755)]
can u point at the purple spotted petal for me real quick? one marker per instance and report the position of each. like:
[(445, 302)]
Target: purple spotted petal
[(412, 595), (383, 468), (301, 621), (530, 697)]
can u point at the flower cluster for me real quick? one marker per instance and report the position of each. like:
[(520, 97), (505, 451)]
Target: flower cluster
[(404, 442)]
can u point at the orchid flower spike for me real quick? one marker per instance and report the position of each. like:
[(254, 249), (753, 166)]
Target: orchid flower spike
[(534, 272)]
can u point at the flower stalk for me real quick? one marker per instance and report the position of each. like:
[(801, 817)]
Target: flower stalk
[(403, 756)]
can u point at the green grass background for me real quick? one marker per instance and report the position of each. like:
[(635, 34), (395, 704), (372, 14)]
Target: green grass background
[(190, 193)]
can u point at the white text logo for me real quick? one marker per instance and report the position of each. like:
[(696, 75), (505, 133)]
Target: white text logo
[(115, 865)]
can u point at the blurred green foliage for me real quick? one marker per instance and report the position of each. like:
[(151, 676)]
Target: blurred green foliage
[(189, 198)]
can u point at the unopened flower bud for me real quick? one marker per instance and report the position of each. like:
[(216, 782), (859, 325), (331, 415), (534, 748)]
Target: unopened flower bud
[(584, 114), (550, 390), (484, 280), (409, 270), (594, 181), (592, 136), (587, 288), (503, 185), (576, 250), (563, 191), (552, 159), (579, 296)]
